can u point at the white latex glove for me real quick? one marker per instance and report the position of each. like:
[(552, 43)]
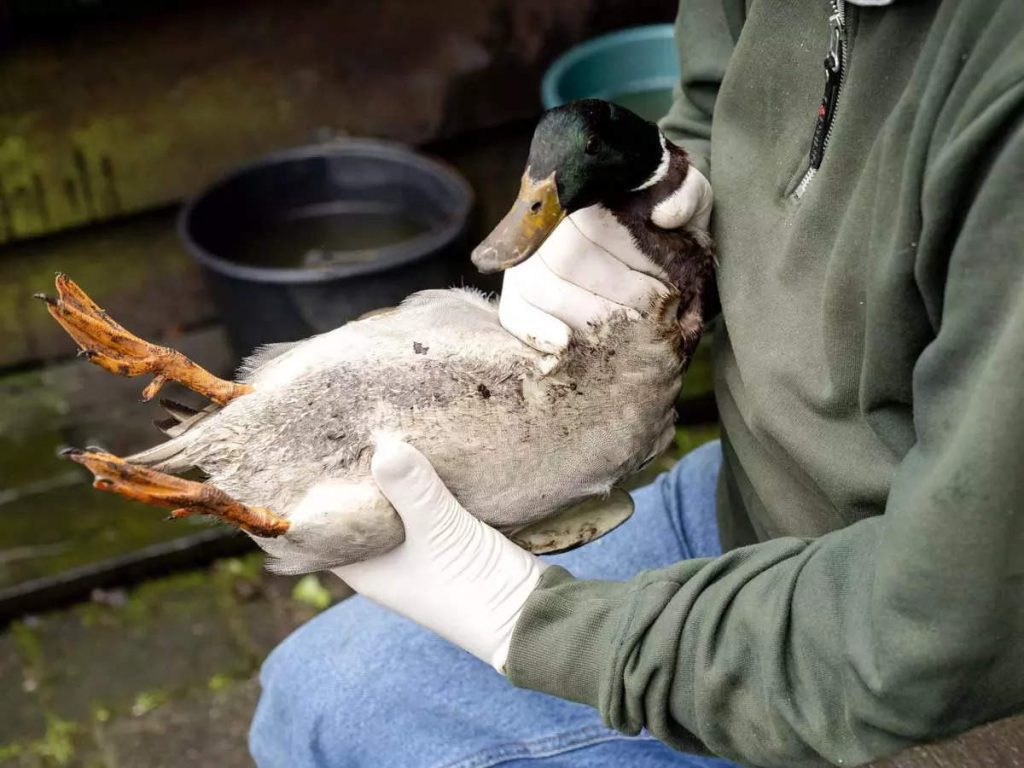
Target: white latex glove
[(453, 574), (589, 267)]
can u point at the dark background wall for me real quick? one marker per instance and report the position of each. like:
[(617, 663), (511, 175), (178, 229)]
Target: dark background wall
[(111, 108)]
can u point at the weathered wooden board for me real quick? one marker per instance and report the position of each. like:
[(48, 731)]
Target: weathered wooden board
[(147, 107), (53, 519), (134, 268)]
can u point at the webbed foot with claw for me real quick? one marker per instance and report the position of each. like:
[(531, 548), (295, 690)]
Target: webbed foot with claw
[(184, 497), (108, 345)]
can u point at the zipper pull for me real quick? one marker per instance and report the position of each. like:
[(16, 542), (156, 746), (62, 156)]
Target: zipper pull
[(827, 107)]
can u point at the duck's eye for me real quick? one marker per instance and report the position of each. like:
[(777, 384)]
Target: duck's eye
[(535, 208), (592, 146)]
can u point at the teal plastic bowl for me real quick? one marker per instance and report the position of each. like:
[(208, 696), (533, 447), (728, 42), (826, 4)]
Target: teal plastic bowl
[(636, 68)]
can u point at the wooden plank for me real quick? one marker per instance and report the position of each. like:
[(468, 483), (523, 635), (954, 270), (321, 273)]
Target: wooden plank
[(148, 107), (134, 268), (53, 519), (76, 403)]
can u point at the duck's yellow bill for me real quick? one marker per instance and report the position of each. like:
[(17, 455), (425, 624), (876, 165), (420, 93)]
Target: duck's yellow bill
[(534, 216)]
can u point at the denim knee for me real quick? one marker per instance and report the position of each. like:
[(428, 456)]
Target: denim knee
[(283, 728)]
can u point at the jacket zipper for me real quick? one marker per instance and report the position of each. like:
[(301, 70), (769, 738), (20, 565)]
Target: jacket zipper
[(834, 68)]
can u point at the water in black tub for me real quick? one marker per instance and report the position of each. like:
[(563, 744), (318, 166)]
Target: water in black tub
[(324, 235)]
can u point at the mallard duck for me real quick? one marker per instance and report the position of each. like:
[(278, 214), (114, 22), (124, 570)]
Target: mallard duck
[(530, 444)]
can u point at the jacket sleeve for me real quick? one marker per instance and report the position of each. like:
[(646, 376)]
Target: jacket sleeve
[(901, 628), (705, 33)]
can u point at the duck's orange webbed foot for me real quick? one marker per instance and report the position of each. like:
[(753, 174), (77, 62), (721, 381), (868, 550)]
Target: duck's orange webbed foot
[(114, 349), (185, 497)]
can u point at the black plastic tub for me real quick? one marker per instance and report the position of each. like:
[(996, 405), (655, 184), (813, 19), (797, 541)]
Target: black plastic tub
[(304, 240)]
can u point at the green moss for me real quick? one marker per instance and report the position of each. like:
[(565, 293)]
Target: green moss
[(231, 577), (147, 701), (11, 751), (220, 681), (58, 742), (56, 747), (93, 614), (309, 591), (29, 647), (162, 152), (173, 594), (248, 568)]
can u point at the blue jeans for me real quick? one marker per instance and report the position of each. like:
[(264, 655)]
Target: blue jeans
[(361, 686)]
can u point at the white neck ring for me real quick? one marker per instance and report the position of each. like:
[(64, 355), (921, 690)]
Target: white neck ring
[(661, 170)]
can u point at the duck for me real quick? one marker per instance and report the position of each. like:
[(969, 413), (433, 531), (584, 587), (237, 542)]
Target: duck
[(534, 444)]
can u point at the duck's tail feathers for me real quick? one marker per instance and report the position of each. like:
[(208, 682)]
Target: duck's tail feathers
[(182, 418), (167, 457), (173, 456)]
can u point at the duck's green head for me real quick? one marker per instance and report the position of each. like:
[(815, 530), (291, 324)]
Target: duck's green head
[(583, 153)]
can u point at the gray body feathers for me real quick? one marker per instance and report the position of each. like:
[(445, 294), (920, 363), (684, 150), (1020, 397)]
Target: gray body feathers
[(513, 440)]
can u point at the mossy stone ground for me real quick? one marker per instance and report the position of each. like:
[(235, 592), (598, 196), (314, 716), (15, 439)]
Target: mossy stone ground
[(160, 675)]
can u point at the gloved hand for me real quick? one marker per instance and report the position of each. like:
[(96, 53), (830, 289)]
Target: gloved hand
[(453, 574), (590, 267)]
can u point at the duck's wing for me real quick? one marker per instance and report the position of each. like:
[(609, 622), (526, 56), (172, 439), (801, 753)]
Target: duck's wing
[(576, 525)]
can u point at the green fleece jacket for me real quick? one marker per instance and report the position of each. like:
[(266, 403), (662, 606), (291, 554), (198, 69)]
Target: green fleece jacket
[(870, 378)]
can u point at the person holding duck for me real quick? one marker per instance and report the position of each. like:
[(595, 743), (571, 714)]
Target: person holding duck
[(843, 574)]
